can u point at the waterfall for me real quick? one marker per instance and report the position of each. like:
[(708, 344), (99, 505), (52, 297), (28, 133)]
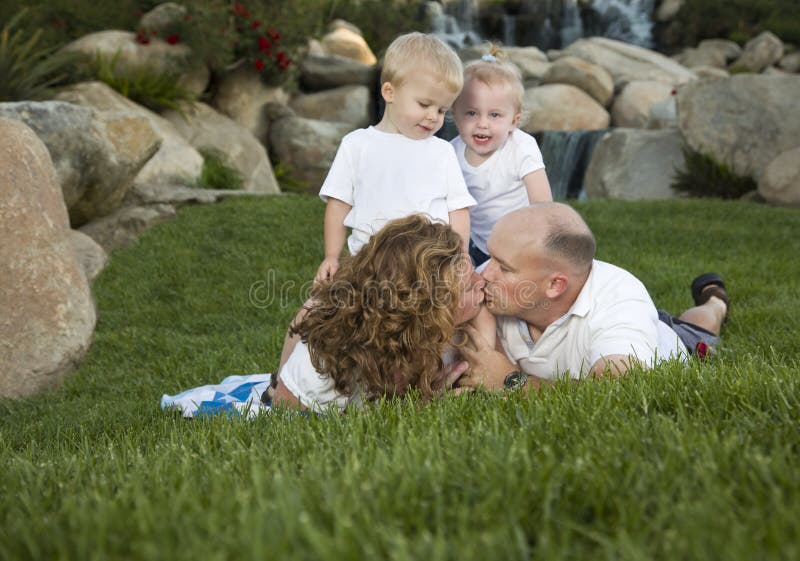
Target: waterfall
[(543, 23), (626, 20), (454, 27), (571, 24), (566, 155), (509, 29)]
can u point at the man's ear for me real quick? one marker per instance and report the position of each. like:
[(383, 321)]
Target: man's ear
[(557, 284), (387, 91)]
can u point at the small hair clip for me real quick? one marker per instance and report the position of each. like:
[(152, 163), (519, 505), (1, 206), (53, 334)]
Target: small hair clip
[(489, 58)]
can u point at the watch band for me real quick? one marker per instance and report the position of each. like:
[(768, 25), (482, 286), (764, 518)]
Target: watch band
[(515, 379)]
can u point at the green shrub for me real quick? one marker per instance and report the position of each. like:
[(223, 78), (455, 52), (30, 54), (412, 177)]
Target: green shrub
[(705, 177), (738, 20), (217, 174), (27, 69), (285, 177), (153, 88), (61, 21)]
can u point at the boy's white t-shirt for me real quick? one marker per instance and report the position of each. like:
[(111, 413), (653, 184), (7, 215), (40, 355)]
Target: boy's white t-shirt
[(497, 183), (385, 176)]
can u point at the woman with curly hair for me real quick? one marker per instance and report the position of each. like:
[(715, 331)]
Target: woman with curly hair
[(381, 325)]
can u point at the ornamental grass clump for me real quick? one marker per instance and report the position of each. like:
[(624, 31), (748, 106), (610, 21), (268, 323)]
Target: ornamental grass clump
[(703, 176), (154, 88), (28, 70), (217, 174)]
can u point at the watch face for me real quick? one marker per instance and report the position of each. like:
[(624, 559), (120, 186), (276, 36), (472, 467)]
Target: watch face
[(515, 380)]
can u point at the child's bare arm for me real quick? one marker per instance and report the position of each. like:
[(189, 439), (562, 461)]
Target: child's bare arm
[(335, 233), (459, 221), (538, 187)]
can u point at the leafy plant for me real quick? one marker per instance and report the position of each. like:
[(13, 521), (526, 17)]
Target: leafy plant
[(153, 88), (738, 20), (217, 174), (705, 177), (28, 70), (285, 177)]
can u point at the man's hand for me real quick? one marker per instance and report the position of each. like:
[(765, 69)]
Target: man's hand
[(488, 367)]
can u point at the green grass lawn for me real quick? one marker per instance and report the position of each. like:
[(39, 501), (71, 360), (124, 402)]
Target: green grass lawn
[(681, 462)]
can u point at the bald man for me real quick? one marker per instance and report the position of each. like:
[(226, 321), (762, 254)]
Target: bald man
[(560, 312)]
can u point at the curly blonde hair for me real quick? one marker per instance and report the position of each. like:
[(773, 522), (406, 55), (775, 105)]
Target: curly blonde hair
[(380, 325)]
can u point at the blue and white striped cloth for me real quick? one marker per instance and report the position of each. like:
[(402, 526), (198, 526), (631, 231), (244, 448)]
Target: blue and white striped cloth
[(235, 395)]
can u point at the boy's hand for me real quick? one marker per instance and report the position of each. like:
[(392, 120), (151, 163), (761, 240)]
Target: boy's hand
[(327, 269)]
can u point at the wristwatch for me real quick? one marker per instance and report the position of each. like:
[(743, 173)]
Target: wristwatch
[(515, 379)]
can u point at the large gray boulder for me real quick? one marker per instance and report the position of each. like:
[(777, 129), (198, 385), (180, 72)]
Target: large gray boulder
[(322, 73), (632, 107), (634, 164), (591, 78), (561, 107), (242, 96), (207, 130), (759, 53), (780, 182), (743, 121), (345, 42), (175, 161), (790, 63), (122, 228), (305, 146), (47, 315), (90, 254), (532, 62), (730, 50), (627, 62), (96, 156), (346, 104)]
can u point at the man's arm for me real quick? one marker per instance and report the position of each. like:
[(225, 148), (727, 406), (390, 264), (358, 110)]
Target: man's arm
[(613, 365)]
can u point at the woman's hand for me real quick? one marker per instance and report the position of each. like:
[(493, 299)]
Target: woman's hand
[(487, 367)]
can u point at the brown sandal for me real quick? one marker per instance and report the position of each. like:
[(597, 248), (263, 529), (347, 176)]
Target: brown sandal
[(707, 285)]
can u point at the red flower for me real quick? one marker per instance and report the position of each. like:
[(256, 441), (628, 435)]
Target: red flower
[(240, 10), (173, 39), (141, 37), (274, 34), (285, 64), (259, 64), (281, 57), (264, 44), (255, 24)]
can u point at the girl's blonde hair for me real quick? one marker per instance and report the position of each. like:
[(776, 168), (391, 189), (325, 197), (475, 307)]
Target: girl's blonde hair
[(380, 325), (412, 52), (494, 68)]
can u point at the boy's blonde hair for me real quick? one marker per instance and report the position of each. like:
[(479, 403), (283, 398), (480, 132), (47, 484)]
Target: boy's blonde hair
[(492, 69), (416, 51)]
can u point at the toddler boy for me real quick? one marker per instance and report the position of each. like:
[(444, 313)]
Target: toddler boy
[(398, 167)]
